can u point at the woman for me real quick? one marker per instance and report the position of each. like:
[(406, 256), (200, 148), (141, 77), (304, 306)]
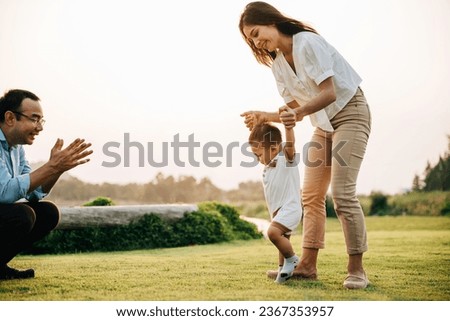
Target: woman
[(316, 81)]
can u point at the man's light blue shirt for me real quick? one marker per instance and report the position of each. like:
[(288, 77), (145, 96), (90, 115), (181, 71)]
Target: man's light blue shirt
[(15, 174)]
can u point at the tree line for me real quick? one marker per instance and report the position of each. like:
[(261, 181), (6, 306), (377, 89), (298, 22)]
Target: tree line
[(437, 177), (187, 189), (161, 189)]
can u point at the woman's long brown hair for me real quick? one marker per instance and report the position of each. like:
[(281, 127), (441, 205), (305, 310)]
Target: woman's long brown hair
[(263, 14)]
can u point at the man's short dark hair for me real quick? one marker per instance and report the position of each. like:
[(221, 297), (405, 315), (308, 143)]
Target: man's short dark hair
[(12, 100)]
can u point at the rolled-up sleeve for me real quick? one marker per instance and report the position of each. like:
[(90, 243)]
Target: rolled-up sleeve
[(25, 168), (36, 195), (318, 59), (14, 188)]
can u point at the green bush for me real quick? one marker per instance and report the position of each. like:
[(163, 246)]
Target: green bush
[(413, 203), (212, 223), (100, 201), (148, 232), (421, 203), (329, 207), (379, 204), (445, 210), (240, 229), (202, 228)]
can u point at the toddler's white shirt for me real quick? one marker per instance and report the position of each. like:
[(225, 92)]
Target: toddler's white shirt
[(282, 191)]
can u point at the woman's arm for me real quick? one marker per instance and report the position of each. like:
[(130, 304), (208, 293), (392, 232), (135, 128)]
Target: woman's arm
[(326, 96)]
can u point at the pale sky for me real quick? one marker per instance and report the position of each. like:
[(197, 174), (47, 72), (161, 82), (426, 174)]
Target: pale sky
[(152, 70)]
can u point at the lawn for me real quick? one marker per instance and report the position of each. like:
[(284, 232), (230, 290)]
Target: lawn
[(408, 259)]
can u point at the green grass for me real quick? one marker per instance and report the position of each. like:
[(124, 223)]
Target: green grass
[(408, 259)]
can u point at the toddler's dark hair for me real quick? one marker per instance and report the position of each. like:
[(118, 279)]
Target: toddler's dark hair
[(265, 135)]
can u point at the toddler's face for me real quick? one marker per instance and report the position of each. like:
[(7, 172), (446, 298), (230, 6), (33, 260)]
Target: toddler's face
[(265, 154)]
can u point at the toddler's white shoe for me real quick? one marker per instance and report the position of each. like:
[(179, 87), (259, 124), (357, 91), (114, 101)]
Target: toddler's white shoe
[(287, 270)]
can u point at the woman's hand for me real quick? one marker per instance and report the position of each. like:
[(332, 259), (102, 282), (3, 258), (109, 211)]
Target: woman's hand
[(253, 118), (288, 117)]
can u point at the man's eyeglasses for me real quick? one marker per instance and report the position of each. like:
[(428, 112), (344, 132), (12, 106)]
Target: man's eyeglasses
[(36, 121)]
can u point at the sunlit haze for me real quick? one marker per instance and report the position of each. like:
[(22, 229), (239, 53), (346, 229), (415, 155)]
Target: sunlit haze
[(156, 71)]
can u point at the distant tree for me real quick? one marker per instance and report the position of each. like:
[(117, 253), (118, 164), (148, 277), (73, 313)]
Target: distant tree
[(247, 191), (207, 191), (184, 189), (417, 184), (165, 188), (427, 169), (436, 178)]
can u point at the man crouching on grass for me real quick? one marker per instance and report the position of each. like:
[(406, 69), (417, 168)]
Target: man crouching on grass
[(23, 223)]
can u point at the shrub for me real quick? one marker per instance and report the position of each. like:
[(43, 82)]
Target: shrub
[(420, 203), (445, 210), (100, 201), (329, 207), (148, 232), (212, 223), (241, 229), (202, 228), (379, 204)]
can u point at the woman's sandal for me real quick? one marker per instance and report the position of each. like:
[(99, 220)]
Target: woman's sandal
[(353, 282)]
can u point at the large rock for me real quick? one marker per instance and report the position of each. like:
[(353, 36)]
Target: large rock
[(104, 216)]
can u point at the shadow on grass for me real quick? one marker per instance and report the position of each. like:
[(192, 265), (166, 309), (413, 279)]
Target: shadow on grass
[(304, 284)]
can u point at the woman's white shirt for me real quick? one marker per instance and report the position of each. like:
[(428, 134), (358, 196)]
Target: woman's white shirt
[(315, 60)]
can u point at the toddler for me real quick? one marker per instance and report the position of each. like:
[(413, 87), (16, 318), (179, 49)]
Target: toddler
[(281, 181)]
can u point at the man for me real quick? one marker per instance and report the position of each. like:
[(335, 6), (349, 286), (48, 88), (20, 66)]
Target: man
[(23, 223)]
